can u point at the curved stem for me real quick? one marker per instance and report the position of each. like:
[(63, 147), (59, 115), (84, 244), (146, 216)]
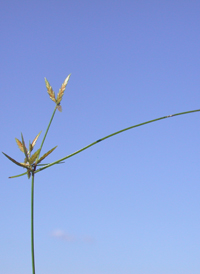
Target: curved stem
[(115, 133), (32, 224)]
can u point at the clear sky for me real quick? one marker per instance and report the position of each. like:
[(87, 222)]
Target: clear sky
[(130, 204)]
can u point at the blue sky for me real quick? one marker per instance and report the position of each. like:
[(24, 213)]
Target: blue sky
[(129, 204)]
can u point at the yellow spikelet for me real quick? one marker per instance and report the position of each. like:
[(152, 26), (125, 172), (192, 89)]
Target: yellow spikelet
[(62, 89), (50, 91)]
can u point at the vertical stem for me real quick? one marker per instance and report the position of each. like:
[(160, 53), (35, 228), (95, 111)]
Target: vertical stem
[(32, 224)]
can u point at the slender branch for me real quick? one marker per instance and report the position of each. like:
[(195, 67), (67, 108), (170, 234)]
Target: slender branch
[(115, 133), (32, 224), (17, 175)]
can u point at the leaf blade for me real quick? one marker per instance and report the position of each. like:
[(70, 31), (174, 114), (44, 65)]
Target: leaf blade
[(24, 148), (35, 140), (15, 162), (45, 155), (19, 144), (34, 157)]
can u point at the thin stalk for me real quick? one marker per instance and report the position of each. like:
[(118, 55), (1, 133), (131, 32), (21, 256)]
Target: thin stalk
[(115, 133), (47, 131), (32, 224)]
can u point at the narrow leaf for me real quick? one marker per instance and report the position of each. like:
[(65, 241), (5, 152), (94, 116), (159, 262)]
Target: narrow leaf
[(34, 157), (30, 148), (19, 144), (62, 89), (22, 174), (14, 161), (35, 140), (45, 155), (50, 91), (24, 147)]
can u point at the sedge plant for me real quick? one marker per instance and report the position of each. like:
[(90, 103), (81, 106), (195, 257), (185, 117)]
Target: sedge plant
[(32, 162)]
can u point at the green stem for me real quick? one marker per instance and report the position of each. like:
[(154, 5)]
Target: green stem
[(47, 130), (115, 133), (32, 224)]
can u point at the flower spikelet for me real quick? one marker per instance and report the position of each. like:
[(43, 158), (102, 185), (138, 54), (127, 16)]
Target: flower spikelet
[(62, 89), (50, 91)]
